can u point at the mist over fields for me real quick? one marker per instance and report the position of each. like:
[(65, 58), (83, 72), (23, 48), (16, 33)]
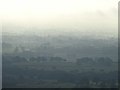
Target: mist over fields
[(64, 45), (59, 44), (70, 60)]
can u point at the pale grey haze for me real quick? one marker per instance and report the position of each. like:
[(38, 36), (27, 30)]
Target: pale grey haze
[(96, 17)]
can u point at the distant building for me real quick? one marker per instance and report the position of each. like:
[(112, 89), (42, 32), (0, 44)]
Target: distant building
[(21, 49)]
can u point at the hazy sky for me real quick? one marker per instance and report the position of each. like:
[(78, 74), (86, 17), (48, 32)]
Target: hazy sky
[(81, 15)]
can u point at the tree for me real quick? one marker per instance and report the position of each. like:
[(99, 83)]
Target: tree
[(104, 61), (85, 60)]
